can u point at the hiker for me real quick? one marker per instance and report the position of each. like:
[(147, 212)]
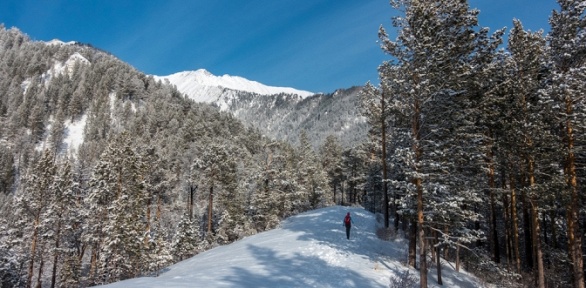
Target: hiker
[(348, 223)]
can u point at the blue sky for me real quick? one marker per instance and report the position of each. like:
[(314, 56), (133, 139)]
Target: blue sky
[(315, 45)]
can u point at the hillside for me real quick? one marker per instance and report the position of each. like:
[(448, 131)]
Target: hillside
[(285, 116), (307, 250), (107, 157), (280, 113)]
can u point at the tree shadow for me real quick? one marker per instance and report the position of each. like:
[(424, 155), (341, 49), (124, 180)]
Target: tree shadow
[(274, 270), (325, 226)]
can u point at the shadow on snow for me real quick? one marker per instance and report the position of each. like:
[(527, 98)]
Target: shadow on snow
[(296, 271)]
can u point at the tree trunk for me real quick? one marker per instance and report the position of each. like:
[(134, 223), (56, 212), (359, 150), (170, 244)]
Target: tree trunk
[(544, 225), (574, 235), (40, 273), (421, 235), (148, 221), (508, 238), (554, 237), (33, 252), (354, 186), (384, 159), (506, 212), (438, 259), (433, 241), (342, 193), (210, 208), (527, 230), (535, 226), (515, 224), (335, 193), (159, 208), (93, 267), (397, 216), (537, 245), (191, 196), (458, 256), (413, 244), (493, 229), (416, 129), (447, 249), (56, 254)]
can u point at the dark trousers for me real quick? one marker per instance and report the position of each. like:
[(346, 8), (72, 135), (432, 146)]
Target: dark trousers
[(348, 231)]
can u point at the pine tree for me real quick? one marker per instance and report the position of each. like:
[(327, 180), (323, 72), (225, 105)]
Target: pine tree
[(331, 157), (97, 203), (159, 252), (567, 43), (532, 132), (61, 216), (7, 170), (375, 107), (311, 178), (185, 239), (32, 205), (117, 199), (218, 169), (265, 200), (433, 52), (124, 244)]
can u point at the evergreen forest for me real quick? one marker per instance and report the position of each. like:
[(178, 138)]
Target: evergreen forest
[(474, 152)]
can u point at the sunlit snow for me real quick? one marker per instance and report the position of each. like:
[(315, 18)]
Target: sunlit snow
[(74, 133), (308, 250), (203, 86), (58, 42), (60, 68)]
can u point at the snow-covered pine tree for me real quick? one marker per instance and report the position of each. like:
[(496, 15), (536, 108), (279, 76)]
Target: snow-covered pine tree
[(124, 249), (156, 186), (7, 170), (185, 239), (331, 157), (117, 226), (565, 93), (311, 178), (531, 133), (434, 48), (61, 216), (99, 199), (267, 207), (159, 252), (486, 68), (13, 254), (217, 167), (352, 166), (32, 205), (375, 107)]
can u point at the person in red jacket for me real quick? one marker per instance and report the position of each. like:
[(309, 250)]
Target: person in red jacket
[(348, 224)]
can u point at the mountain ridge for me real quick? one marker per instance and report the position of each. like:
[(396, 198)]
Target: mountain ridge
[(203, 86)]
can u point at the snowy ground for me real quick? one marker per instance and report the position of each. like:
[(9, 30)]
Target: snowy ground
[(308, 250)]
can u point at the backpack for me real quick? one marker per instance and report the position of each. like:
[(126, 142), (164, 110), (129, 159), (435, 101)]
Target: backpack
[(347, 220)]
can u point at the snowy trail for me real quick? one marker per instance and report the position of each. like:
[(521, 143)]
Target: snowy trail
[(308, 250)]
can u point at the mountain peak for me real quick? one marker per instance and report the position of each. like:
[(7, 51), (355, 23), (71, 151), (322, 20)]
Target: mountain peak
[(202, 72), (203, 86), (57, 42)]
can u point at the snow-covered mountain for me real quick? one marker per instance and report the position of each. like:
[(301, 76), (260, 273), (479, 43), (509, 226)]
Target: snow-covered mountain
[(203, 86), (308, 250), (278, 112), (58, 42)]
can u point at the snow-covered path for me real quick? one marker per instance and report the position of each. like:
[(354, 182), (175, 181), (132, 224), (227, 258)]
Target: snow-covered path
[(308, 250)]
